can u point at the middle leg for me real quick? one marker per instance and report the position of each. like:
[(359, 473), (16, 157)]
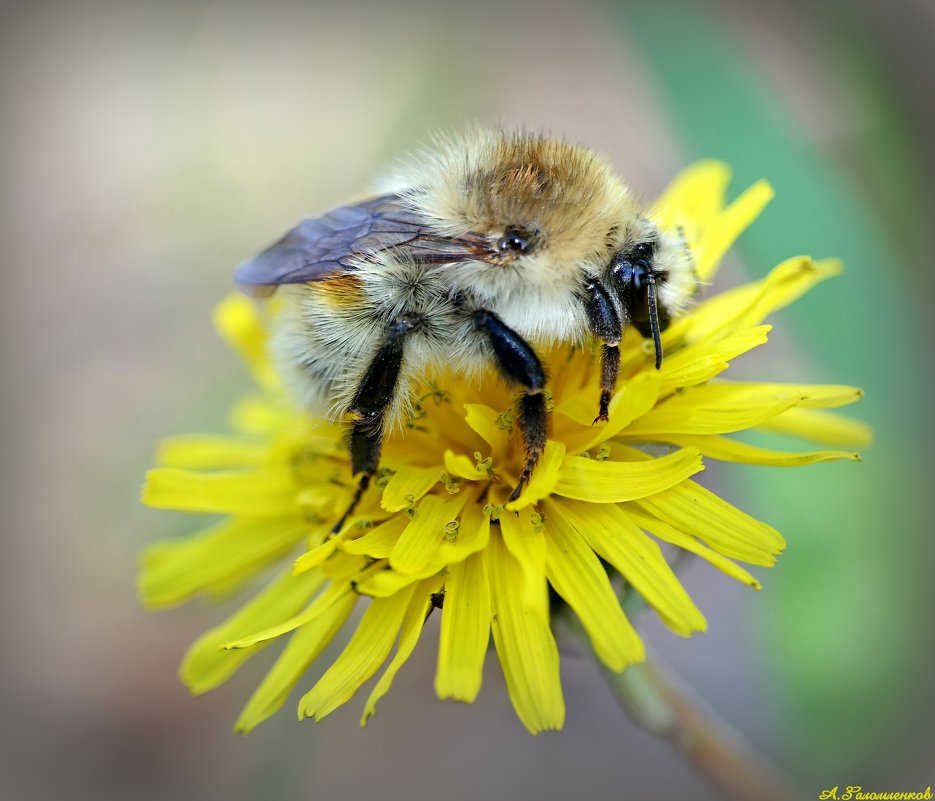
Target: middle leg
[(605, 325), (519, 365)]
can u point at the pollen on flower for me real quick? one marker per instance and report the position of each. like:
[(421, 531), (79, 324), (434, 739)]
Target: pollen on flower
[(505, 420), (453, 485), (436, 529)]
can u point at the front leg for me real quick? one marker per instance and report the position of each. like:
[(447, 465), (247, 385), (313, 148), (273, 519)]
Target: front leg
[(519, 365), (605, 325), (373, 397)]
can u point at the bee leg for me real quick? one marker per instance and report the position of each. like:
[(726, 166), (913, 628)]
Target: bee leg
[(519, 365), (373, 397), (605, 325), (365, 458)]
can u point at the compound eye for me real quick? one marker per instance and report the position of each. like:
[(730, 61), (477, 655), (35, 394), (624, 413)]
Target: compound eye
[(639, 298), (644, 250), (633, 277), (643, 307), (515, 241)]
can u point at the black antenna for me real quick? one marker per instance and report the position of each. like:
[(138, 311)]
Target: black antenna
[(654, 315)]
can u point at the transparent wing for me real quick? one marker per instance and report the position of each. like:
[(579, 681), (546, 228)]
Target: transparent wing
[(319, 247)]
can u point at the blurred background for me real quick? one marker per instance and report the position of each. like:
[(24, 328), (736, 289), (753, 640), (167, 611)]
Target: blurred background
[(147, 148)]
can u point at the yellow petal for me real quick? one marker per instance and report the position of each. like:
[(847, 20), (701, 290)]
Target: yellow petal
[(816, 396), (336, 591), (483, 420), (672, 535), (577, 373), (237, 320), (731, 450), (341, 566), (210, 452), (303, 648), (694, 198), (460, 466), (471, 534), (320, 505), (435, 415), (418, 546), (388, 582), (612, 482), (524, 644), (379, 541), (255, 493), (407, 485), (259, 416), (413, 622), (314, 557), (206, 666), (578, 576), (693, 510), (543, 478), (465, 631), (172, 571), (724, 229), (696, 364), (523, 536), (748, 305), (368, 648), (718, 408), (632, 401), (824, 427), (619, 541)]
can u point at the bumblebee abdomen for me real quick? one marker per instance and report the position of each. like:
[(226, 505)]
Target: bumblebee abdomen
[(329, 332)]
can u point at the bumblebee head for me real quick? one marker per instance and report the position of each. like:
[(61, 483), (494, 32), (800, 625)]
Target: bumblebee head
[(536, 212), (653, 278)]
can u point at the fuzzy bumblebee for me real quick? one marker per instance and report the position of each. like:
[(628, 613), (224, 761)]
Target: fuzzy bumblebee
[(476, 254)]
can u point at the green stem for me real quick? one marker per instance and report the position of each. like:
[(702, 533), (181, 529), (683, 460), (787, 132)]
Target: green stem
[(659, 703)]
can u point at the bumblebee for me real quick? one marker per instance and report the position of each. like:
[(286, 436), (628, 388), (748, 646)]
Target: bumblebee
[(475, 253)]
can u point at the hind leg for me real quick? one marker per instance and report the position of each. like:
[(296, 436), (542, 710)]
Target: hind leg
[(373, 397)]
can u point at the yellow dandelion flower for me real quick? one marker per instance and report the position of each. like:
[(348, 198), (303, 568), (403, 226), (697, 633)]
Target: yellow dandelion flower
[(439, 531)]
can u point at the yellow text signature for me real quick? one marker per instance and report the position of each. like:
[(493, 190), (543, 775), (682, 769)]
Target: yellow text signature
[(854, 792)]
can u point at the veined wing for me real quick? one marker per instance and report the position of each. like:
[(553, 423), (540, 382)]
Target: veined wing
[(319, 247)]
